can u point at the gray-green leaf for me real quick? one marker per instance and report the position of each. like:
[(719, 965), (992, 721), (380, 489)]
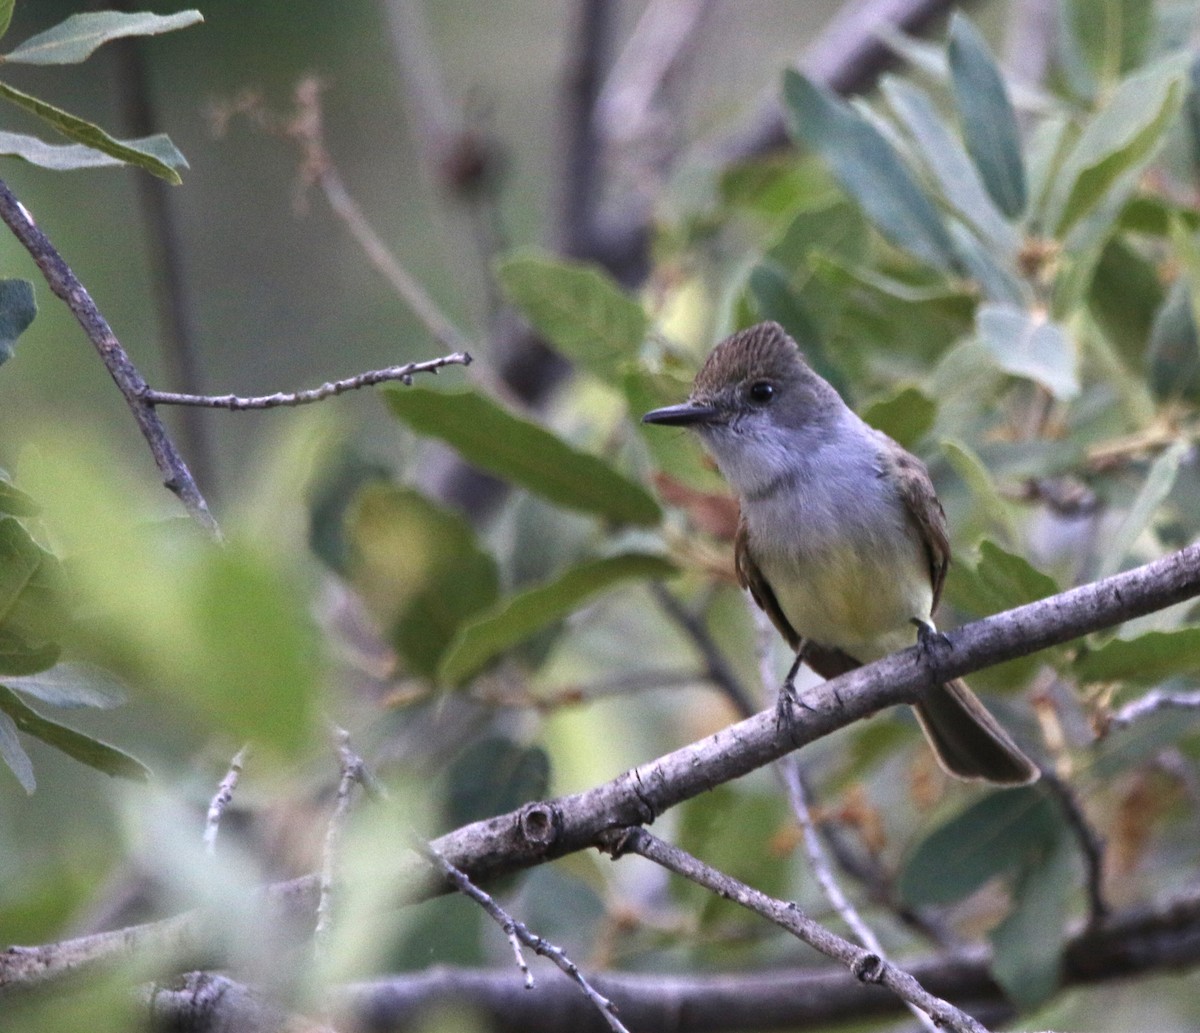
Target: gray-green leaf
[(65, 157), (1028, 344), (71, 685), (1144, 660), (17, 309), (578, 308), (83, 748), (1027, 945), (75, 128), (77, 38), (1158, 484), (1118, 142), (13, 753), (948, 163), (996, 835), (32, 600), (869, 169), (520, 617), (494, 440), (986, 114)]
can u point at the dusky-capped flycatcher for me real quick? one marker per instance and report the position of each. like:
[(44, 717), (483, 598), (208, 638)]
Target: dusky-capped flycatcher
[(842, 540)]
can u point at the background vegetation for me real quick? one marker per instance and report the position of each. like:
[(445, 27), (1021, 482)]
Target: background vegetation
[(497, 587)]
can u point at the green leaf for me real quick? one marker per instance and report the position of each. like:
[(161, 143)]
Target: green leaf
[(71, 685), (1027, 344), (948, 164), (517, 619), (493, 776), (1010, 580), (906, 416), (991, 508), (999, 580), (33, 594), (994, 273), (1027, 945), (15, 502), (773, 186), (836, 229), (773, 298), (494, 440), (421, 570), (869, 169), (17, 309), (18, 657), (732, 829), (996, 835), (1117, 144), (1123, 298), (986, 115), (1158, 484), (1112, 36), (6, 13), (83, 748), (68, 156), (84, 132), (680, 455), (77, 38), (1173, 356), (13, 753), (1145, 660), (578, 308), (917, 320)]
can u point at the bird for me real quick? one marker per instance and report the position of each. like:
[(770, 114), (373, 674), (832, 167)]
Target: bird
[(841, 538)]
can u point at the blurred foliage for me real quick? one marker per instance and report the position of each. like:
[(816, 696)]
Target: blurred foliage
[(1005, 280)]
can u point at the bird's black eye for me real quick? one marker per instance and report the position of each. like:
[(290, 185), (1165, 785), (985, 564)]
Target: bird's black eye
[(761, 392)]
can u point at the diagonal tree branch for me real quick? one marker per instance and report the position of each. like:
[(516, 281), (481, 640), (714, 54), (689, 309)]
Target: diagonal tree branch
[(65, 285), (540, 832), (867, 965), (543, 831), (1131, 943)]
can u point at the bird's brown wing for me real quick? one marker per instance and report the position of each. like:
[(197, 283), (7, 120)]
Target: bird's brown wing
[(921, 501), (751, 578)]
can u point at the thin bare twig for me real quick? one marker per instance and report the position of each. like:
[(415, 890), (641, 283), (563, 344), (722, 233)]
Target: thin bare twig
[(789, 773), (403, 374), (65, 284), (353, 771), (222, 799), (1091, 846), (868, 966), (1152, 702), (518, 933), (176, 325), (634, 108), (306, 128), (716, 667)]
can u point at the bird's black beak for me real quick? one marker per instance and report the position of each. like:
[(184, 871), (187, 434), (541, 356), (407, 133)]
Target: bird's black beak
[(685, 414)]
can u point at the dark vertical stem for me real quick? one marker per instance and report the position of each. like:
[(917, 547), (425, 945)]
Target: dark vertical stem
[(165, 258)]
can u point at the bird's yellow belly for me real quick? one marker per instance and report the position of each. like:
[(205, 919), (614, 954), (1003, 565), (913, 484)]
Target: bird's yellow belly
[(863, 603)]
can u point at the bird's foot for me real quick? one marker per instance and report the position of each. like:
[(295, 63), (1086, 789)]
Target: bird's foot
[(788, 699), (929, 638), (931, 642)]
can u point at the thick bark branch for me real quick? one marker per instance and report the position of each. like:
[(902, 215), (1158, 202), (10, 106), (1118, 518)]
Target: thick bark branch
[(540, 832), (1132, 943)]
